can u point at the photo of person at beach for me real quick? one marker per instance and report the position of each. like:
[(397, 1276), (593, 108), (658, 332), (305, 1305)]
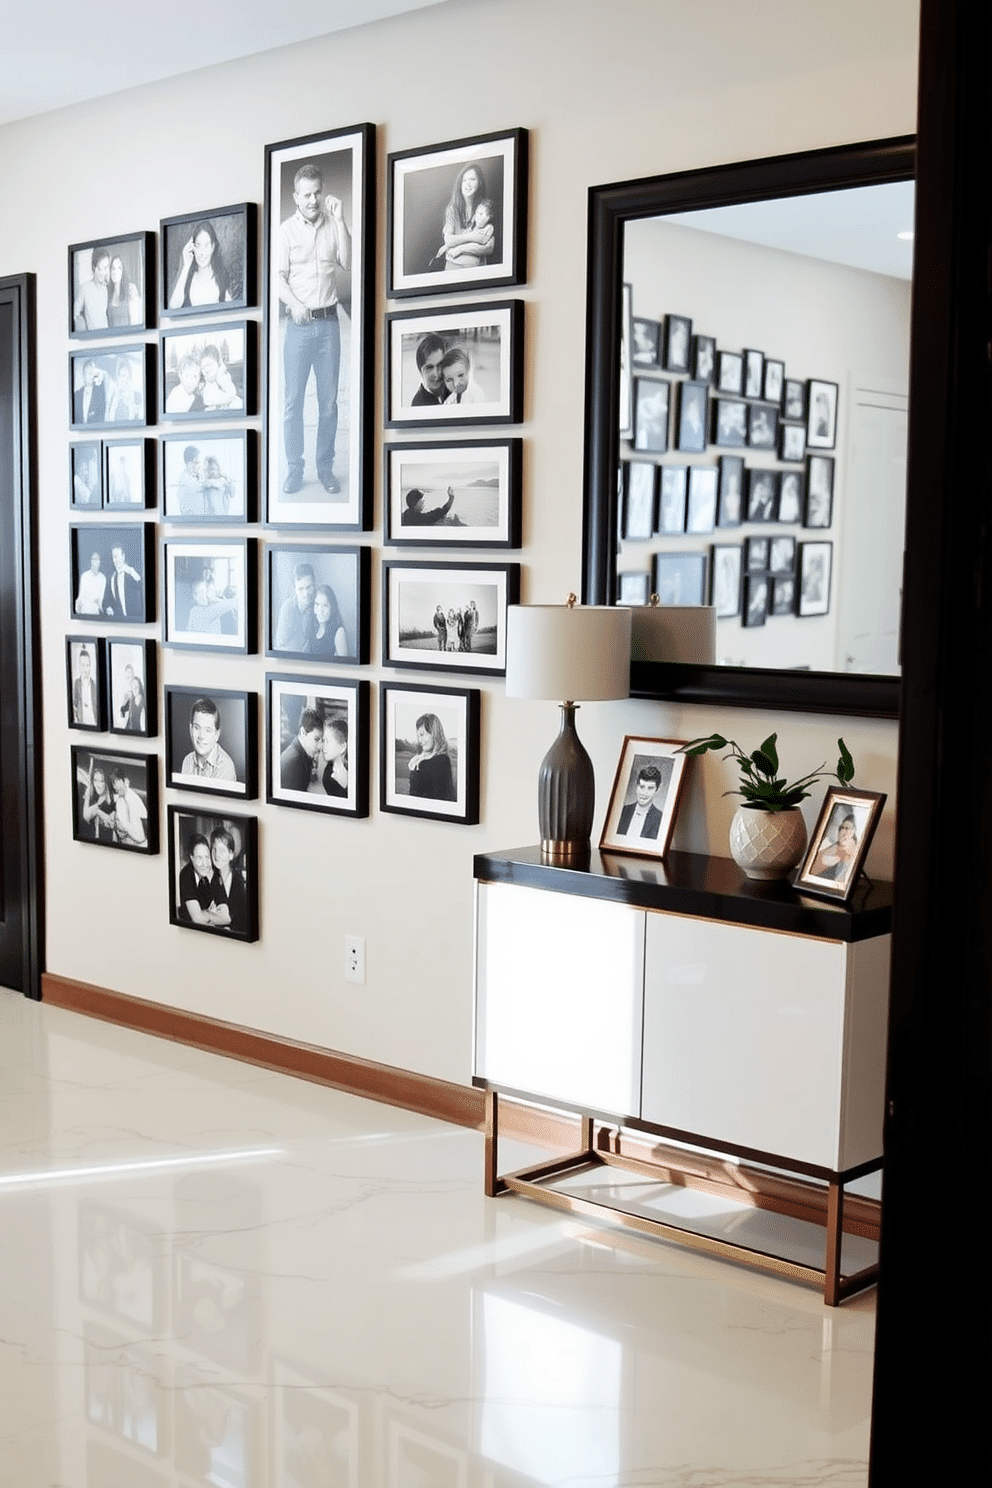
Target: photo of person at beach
[(456, 493)]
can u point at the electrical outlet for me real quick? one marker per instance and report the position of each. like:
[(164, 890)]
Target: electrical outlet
[(354, 959)]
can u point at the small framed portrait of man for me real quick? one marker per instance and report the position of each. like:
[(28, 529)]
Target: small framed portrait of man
[(454, 494), (317, 603), (210, 595), (115, 799), (429, 752), (86, 475), (451, 367), (645, 797), (208, 261), (839, 842), (210, 740), (84, 682), (213, 873), (110, 283), (317, 744), (112, 388), (113, 571), (457, 215), (131, 687), (209, 478)]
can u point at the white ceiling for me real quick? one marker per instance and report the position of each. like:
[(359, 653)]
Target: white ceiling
[(57, 52)]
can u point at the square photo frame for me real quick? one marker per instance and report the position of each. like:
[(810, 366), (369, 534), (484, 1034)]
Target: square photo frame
[(821, 417), (209, 478), (317, 602), (457, 215), (450, 493), (110, 281), (213, 872), (447, 617), (132, 691), (115, 799), (839, 842), (112, 571), (208, 261), (208, 373), (84, 683), (129, 474), (210, 741), (210, 594), (317, 744), (86, 475), (458, 366), (645, 797), (652, 396), (112, 387), (679, 578), (633, 588), (429, 752), (815, 564)]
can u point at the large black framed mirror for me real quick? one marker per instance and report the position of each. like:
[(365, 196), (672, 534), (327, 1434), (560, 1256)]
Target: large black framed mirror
[(616, 213)]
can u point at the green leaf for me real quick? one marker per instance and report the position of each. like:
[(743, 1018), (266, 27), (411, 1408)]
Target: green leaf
[(766, 763), (845, 765), (769, 750)]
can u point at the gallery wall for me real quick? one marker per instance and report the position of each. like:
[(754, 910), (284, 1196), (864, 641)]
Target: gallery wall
[(609, 92)]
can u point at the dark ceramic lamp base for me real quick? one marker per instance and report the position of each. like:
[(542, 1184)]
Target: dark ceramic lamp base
[(566, 795)]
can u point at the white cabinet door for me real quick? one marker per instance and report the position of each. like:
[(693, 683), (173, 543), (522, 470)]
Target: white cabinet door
[(559, 991)]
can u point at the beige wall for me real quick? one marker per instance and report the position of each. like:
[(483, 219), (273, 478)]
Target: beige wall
[(610, 89)]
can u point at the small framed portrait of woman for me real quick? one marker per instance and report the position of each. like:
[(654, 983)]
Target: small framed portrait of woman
[(429, 752), (317, 744), (210, 594), (115, 799), (213, 872), (449, 367), (131, 687), (454, 494), (110, 283), (839, 843), (110, 388), (645, 797), (209, 478), (210, 740), (209, 373), (129, 474), (317, 603), (209, 261), (447, 617), (84, 682), (458, 215)]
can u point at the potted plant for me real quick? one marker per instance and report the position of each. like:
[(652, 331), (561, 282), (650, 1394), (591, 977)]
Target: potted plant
[(768, 834)]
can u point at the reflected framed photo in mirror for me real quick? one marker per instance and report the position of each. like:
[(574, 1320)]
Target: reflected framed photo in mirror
[(821, 418), (815, 564), (756, 554), (640, 494), (651, 404), (774, 379), (782, 557), (762, 495), (792, 443), (762, 426), (701, 509), (725, 579), (754, 373), (703, 361), (678, 342), (783, 596), (790, 496), (819, 491), (633, 588), (730, 372), (730, 503), (756, 588), (680, 578), (674, 483), (730, 423), (794, 400), (693, 397), (646, 342)]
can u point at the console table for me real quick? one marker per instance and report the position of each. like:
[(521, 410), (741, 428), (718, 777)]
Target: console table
[(681, 1000)]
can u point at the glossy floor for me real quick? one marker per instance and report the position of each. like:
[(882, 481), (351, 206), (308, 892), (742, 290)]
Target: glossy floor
[(210, 1274)]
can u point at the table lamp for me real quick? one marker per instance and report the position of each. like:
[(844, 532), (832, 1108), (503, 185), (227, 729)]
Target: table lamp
[(567, 653)]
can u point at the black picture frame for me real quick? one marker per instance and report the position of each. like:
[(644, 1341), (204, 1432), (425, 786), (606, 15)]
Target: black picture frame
[(819, 507), (105, 301), (633, 588), (329, 773), (794, 400), (679, 578), (774, 380), (754, 610), (124, 815), (422, 729), (792, 443), (640, 500), (814, 572), (756, 554), (831, 868), (211, 736), (292, 597), (652, 399), (84, 671), (673, 495), (730, 503), (489, 331), (700, 514), (86, 475), (754, 373), (730, 373), (134, 577), (646, 342), (131, 710), (762, 495), (702, 367), (691, 417), (121, 386), (725, 579), (678, 343), (412, 594), (298, 494), (762, 426), (791, 496), (729, 423), (483, 479), (217, 576), (209, 372), (216, 488), (821, 413), (782, 557), (211, 277), (783, 596), (185, 825), (426, 204), (129, 474)]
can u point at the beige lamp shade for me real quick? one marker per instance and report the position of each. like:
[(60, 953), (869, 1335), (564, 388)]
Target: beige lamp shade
[(577, 653)]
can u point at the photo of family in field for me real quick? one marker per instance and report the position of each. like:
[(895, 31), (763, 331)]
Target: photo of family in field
[(429, 752), (455, 367), (205, 373), (448, 617), (465, 494), (317, 745)]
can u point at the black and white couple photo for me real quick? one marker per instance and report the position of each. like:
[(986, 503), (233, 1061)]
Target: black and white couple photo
[(112, 572), (317, 745), (317, 601)]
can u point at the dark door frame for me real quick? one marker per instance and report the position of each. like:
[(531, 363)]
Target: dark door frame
[(18, 293)]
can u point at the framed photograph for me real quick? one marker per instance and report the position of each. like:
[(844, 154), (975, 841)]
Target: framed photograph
[(756, 554), (730, 423), (762, 495), (210, 741), (84, 682), (115, 799), (702, 363), (319, 329), (774, 382), (725, 580), (821, 416), (112, 387), (754, 373), (625, 411), (460, 366), (110, 285), (782, 557), (645, 797), (86, 475), (640, 495), (757, 588), (317, 744), (730, 373), (679, 578), (317, 602), (129, 474), (651, 401), (213, 873), (790, 496), (701, 512), (840, 841), (762, 426), (210, 594), (794, 400), (674, 489), (209, 373), (792, 443), (678, 343), (633, 588), (429, 752), (815, 563), (730, 504), (208, 261), (450, 493), (446, 617), (209, 478), (113, 571), (693, 397), (819, 491), (132, 693), (783, 596), (646, 342), (458, 215)]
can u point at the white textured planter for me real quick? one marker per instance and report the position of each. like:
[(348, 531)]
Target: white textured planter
[(767, 844)]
